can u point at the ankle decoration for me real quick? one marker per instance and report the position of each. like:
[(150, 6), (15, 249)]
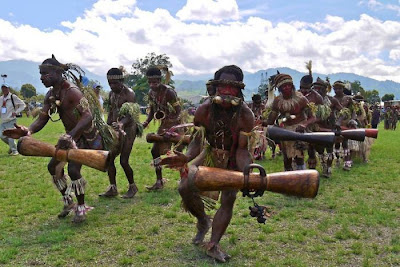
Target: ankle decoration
[(77, 186), (81, 210), (60, 183), (67, 199), (348, 163)]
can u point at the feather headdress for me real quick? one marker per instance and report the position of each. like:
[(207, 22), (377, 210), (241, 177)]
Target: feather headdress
[(168, 73), (309, 67), (307, 80), (65, 68)]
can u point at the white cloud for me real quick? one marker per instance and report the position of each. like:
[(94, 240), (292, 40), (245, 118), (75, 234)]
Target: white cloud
[(214, 11), (377, 5), (394, 8), (109, 40), (111, 7), (394, 54), (374, 4)]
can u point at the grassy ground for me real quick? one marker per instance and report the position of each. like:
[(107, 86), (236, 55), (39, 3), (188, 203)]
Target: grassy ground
[(354, 220)]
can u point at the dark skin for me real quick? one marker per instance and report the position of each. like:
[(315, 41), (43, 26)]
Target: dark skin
[(328, 124), (119, 95), (297, 111), (70, 97), (203, 117), (346, 102), (211, 90), (312, 97), (257, 107), (335, 104), (159, 90), (362, 120), (287, 91)]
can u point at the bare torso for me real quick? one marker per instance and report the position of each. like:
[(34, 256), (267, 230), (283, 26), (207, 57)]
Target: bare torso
[(116, 102)]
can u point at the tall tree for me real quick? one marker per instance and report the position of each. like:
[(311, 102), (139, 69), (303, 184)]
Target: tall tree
[(38, 98), (356, 88), (372, 96), (16, 92), (141, 89), (152, 59), (137, 79), (387, 97), (28, 90)]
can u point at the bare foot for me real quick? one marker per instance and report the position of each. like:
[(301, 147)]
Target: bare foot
[(215, 252), (202, 229)]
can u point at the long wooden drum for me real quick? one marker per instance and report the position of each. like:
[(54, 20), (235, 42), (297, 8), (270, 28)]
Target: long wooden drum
[(303, 183), (97, 159), (156, 138)]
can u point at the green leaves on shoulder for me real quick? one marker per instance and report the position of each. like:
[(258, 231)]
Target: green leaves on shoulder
[(133, 110), (320, 111), (312, 107), (323, 112), (346, 113)]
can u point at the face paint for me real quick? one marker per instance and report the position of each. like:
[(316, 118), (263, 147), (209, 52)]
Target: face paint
[(48, 77), (154, 83), (116, 85), (227, 90), (228, 95)]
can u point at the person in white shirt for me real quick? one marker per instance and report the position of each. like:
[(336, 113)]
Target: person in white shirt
[(11, 105)]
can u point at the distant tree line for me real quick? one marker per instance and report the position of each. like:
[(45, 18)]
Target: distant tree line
[(28, 93), (370, 96)]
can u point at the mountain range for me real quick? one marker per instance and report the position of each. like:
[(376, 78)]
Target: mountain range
[(253, 80), (20, 72)]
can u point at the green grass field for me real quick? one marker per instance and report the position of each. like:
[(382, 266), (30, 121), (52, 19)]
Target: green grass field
[(354, 220)]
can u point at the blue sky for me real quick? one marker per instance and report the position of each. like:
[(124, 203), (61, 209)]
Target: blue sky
[(53, 12), (359, 36)]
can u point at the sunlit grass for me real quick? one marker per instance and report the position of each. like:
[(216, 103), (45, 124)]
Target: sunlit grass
[(353, 221)]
